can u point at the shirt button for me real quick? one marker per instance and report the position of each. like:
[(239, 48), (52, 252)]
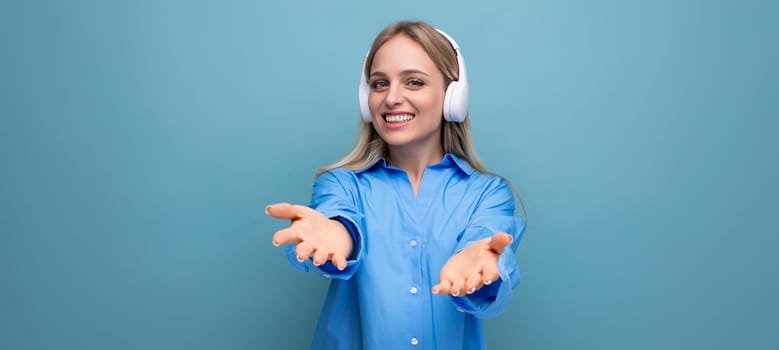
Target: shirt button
[(414, 341), (413, 290), (413, 243)]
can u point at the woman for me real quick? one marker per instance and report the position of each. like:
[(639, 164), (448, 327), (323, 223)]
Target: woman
[(414, 233)]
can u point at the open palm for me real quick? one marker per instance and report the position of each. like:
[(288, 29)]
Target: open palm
[(473, 267), (316, 236)]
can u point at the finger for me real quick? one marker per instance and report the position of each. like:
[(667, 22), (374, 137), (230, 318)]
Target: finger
[(443, 287), (458, 287), (473, 283), (304, 251), (339, 261), (444, 281), (285, 236), (490, 274), (320, 257), (499, 242), (284, 211)]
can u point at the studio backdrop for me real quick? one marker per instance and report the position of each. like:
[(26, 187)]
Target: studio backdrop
[(141, 140)]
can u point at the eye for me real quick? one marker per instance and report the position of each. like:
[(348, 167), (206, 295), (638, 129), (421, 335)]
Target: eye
[(379, 84), (416, 83)]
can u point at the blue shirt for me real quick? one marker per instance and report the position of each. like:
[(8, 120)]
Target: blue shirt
[(383, 299)]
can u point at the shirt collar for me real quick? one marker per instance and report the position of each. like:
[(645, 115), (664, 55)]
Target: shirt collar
[(450, 160), (462, 164)]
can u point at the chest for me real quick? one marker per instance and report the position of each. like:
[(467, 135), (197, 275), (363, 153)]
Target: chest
[(432, 222)]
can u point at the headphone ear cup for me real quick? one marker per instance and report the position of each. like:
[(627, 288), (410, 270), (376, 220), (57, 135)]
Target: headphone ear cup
[(365, 110), (364, 91), (456, 101)]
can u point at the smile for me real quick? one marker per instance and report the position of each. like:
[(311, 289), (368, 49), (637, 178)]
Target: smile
[(397, 118)]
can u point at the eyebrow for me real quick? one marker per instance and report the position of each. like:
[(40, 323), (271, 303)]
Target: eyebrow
[(405, 72)]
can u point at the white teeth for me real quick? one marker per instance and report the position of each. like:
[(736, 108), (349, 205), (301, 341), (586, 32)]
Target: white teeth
[(398, 118)]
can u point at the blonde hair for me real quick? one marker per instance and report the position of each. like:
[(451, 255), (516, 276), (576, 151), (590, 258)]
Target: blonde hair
[(456, 138)]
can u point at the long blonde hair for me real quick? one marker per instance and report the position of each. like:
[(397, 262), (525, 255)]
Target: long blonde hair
[(456, 138)]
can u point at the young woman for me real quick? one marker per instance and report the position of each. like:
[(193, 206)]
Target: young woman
[(416, 236)]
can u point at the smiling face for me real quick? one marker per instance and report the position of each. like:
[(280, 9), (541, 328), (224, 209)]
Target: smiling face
[(406, 96)]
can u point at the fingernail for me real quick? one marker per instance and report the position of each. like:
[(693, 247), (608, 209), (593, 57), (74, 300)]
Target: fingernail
[(487, 283), (341, 267), (275, 244), (472, 290), (266, 210), (455, 292), (435, 290), (299, 259), (317, 263)]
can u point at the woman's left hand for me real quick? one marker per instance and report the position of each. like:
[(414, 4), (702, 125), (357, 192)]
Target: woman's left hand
[(473, 267)]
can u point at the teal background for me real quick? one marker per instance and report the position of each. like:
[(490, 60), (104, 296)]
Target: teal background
[(141, 140)]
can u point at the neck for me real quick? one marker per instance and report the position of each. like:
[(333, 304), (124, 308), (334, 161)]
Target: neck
[(414, 160)]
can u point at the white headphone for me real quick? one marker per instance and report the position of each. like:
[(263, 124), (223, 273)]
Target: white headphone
[(455, 102)]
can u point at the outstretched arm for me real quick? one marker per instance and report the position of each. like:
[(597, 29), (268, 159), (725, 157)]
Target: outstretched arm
[(483, 270), (315, 235)]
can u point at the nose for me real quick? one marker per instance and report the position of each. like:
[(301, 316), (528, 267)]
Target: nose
[(394, 95)]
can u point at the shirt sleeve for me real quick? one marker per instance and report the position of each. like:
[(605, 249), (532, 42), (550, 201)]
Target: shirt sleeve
[(494, 213), (335, 196)]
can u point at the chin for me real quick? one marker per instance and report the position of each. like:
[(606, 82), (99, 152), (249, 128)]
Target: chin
[(397, 141)]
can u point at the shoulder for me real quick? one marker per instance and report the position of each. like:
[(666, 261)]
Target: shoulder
[(491, 187), (340, 173), (488, 180), (337, 172), (340, 176)]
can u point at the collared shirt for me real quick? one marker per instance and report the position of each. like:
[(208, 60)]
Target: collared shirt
[(383, 299)]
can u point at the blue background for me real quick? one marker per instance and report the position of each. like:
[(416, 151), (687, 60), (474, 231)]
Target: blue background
[(141, 140)]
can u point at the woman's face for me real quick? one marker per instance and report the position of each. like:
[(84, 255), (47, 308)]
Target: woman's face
[(407, 95)]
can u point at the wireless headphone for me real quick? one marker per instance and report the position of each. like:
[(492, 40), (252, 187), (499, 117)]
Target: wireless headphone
[(455, 102)]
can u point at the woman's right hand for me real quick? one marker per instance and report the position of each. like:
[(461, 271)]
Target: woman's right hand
[(316, 236)]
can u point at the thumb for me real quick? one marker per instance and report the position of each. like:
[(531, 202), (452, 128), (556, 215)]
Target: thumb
[(283, 211), (499, 242)]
